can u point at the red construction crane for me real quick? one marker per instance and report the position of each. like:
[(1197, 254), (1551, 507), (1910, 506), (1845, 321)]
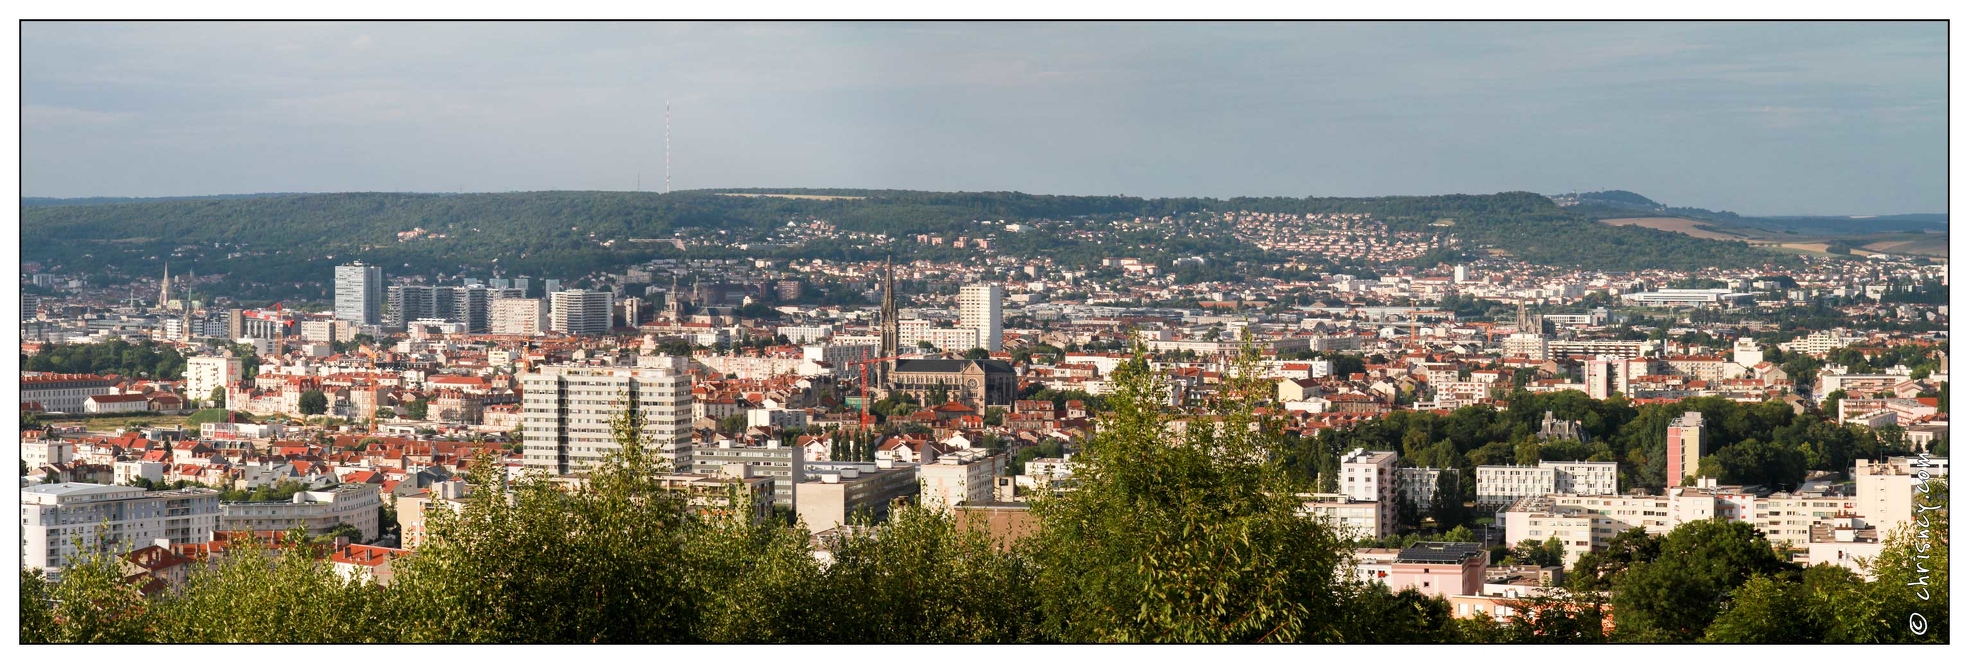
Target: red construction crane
[(864, 380)]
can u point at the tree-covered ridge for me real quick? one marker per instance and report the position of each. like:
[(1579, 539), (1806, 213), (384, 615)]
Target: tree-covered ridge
[(298, 238)]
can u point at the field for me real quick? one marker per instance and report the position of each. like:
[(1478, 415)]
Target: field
[(1674, 225), (810, 197), (1918, 244), (1929, 244)]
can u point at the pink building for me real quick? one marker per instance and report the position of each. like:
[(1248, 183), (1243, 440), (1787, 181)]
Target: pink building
[(1439, 568), (1684, 447)]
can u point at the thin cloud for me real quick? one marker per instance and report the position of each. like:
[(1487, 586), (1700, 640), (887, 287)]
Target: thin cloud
[(1723, 115)]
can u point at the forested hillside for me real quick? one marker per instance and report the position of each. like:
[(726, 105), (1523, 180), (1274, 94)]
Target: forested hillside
[(296, 239)]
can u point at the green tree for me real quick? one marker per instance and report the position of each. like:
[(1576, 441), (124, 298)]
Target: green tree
[(1766, 609), (1446, 504), (1675, 597), (1196, 539), (546, 565), (259, 594), (313, 402), (1595, 570), (1548, 553), (93, 602), (218, 397)]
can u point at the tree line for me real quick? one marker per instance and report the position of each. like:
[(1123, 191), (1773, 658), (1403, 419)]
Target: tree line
[(272, 247), (145, 359)]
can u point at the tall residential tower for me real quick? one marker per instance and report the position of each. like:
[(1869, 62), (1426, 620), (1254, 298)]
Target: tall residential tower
[(359, 293), (980, 308)]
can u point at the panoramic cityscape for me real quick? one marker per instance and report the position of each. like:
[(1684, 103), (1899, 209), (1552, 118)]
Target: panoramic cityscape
[(1406, 406)]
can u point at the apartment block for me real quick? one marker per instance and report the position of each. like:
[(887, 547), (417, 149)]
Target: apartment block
[(783, 465), (118, 519), (581, 312), (1684, 447), (205, 372), (1356, 519), (1418, 485), (1369, 476), (1499, 486), (980, 307), (359, 293), (960, 478), (836, 494), (567, 412), (514, 315), (317, 511)]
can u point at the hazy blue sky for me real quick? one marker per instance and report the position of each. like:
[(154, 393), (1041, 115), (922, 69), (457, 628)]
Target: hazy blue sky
[(1759, 118)]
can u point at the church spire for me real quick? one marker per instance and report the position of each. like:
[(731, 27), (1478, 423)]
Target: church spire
[(672, 307), (891, 328), (186, 320), (164, 287)]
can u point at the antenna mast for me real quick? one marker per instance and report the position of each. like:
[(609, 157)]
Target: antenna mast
[(666, 146)]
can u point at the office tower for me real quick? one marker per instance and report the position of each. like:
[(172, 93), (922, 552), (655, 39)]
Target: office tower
[(1684, 446), (568, 410), (552, 286), (499, 283), (1462, 273), (468, 306), (514, 315), (473, 282), (979, 308), (581, 312), (522, 283), (359, 293)]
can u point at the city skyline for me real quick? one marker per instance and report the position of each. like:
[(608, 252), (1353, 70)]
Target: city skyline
[(1757, 118)]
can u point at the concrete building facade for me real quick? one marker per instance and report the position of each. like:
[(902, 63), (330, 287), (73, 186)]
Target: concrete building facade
[(567, 411), (117, 519)]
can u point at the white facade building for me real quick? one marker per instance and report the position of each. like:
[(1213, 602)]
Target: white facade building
[(1499, 486), (980, 308), (517, 315), (317, 511), (359, 293), (567, 411), (960, 478), (1369, 476), (54, 517), (40, 452), (581, 312), (205, 372)]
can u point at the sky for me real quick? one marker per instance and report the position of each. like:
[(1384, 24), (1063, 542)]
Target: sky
[(1757, 118)]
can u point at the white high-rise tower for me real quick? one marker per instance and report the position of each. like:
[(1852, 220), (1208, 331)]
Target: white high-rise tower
[(979, 308), (359, 293)]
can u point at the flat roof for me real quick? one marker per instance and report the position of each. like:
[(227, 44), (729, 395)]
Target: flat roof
[(78, 489)]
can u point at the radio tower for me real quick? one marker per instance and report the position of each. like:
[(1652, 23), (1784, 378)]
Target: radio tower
[(666, 146)]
